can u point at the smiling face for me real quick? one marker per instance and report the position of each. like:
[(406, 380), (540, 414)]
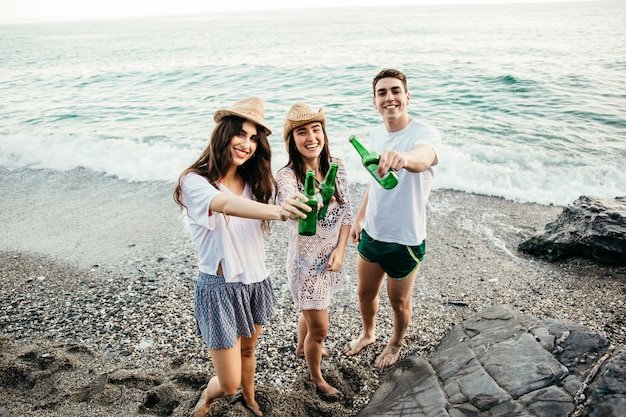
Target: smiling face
[(243, 144), (392, 101), (309, 140)]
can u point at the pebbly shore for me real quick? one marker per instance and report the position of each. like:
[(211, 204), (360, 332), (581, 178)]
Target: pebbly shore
[(99, 275)]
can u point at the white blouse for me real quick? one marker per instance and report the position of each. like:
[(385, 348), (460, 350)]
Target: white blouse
[(234, 242)]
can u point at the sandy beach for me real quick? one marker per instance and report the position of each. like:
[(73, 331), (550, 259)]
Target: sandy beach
[(98, 274)]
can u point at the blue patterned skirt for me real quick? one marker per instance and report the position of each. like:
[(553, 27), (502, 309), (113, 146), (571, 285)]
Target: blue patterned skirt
[(226, 311)]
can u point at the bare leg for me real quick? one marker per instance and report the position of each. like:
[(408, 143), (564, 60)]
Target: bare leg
[(227, 364), (302, 331), (248, 367), (317, 323), (400, 295), (206, 399), (371, 277)]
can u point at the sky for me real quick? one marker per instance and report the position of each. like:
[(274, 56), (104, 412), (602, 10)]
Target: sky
[(28, 11)]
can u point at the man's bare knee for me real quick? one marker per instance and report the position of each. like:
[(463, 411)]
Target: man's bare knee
[(367, 295), (401, 305)]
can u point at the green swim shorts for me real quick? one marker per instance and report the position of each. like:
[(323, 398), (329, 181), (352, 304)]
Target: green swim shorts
[(398, 261)]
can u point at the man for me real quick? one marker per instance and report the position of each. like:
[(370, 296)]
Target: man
[(391, 224)]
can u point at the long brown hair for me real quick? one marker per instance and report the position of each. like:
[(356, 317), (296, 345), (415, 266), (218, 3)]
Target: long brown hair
[(297, 163), (215, 160)]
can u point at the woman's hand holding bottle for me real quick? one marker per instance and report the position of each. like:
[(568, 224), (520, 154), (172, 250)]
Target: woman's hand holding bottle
[(294, 207)]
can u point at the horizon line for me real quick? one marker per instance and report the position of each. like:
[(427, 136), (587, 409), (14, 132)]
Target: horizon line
[(19, 20)]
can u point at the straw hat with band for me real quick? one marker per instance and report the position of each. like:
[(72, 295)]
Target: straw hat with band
[(250, 108), (300, 114)]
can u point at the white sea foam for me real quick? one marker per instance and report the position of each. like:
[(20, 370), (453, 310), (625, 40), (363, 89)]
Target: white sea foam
[(125, 159), (531, 177)]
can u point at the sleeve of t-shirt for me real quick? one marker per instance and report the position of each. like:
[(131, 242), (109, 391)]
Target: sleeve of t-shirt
[(431, 136), (197, 196)]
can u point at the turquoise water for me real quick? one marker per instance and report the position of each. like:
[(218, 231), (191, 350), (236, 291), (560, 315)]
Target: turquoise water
[(531, 99)]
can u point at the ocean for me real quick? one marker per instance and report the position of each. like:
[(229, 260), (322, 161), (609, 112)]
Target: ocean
[(530, 99)]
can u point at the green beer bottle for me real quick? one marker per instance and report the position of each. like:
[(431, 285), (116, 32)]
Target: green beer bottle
[(370, 159), (327, 189), (308, 226)]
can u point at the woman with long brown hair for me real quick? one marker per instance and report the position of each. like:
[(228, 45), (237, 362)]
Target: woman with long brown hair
[(226, 196), (314, 262)]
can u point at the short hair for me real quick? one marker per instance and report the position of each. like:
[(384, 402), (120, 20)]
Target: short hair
[(390, 73)]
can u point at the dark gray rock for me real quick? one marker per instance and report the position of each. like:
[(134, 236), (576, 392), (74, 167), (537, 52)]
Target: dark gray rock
[(590, 227), (5, 413), (522, 365), (578, 347), (472, 385), (548, 402), (501, 363), (607, 394), (412, 389), (571, 384), (464, 410)]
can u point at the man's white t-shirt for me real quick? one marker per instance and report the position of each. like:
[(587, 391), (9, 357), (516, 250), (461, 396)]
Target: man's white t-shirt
[(234, 242), (399, 215)]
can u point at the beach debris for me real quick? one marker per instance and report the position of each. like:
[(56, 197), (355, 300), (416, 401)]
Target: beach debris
[(459, 303)]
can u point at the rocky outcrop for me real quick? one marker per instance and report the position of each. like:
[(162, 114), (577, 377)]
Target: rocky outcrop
[(500, 363), (607, 393), (590, 227)]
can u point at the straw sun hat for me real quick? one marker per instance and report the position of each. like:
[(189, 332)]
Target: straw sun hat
[(300, 114), (250, 108)]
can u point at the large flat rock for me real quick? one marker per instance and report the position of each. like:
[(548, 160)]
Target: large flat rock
[(499, 363)]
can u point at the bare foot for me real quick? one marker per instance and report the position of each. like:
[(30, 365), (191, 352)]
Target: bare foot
[(328, 391), (353, 347), (254, 407), (389, 356), (300, 353), (202, 406)]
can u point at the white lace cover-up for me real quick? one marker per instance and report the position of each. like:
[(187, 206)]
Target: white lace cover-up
[(311, 284)]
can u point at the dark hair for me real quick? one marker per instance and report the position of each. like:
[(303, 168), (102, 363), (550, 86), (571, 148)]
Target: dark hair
[(297, 164), (390, 73), (215, 160)]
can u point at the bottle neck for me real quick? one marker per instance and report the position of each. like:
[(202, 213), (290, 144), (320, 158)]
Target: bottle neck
[(362, 150), (309, 184)]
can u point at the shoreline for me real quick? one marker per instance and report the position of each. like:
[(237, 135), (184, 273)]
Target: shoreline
[(118, 282)]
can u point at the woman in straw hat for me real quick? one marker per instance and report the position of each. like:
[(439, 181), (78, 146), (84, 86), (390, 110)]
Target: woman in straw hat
[(225, 196), (314, 262)]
